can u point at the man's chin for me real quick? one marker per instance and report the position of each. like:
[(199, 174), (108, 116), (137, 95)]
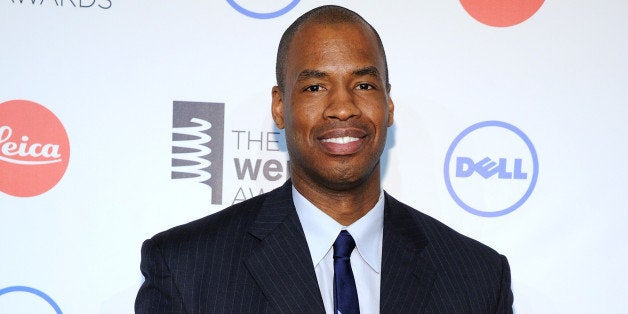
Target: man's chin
[(348, 179)]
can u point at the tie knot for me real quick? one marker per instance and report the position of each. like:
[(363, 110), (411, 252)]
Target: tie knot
[(344, 245)]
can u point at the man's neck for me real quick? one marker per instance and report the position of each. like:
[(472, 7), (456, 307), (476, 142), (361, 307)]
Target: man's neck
[(343, 205)]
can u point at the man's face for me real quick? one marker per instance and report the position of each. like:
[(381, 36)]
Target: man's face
[(335, 107)]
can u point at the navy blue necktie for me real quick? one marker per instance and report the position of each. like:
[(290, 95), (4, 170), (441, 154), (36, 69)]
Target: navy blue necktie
[(345, 293)]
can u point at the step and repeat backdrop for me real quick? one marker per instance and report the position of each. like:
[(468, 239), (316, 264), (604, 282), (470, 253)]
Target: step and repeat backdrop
[(120, 119)]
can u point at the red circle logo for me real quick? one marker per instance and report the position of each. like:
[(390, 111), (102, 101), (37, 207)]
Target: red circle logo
[(501, 13), (34, 148)]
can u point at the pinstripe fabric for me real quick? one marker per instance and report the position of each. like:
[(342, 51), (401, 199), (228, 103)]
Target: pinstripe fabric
[(253, 258), (429, 268), (249, 258)]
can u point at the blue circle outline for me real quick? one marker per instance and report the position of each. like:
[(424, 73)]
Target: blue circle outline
[(33, 291), (262, 16), (535, 168)]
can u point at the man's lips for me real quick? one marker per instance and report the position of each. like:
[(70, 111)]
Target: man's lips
[(342, 141)]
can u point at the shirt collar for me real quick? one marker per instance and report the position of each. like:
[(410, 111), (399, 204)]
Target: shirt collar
[(321, 230)]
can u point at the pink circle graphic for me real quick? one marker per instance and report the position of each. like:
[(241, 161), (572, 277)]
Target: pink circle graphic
[(501, 13), (34, 148)]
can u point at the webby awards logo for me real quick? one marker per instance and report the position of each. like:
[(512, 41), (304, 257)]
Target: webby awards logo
[(198, 143), (491, 168), (79, 4), (34, 148)]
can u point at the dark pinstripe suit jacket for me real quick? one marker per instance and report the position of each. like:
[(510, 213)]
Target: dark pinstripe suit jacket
[(253, 258)]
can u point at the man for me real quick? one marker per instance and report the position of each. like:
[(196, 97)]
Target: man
[(329, 240)]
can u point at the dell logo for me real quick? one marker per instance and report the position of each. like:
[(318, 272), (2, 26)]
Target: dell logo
[(491, 168), (465, 167)]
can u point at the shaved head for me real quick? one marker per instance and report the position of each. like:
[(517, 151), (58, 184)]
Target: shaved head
[(325, 15)]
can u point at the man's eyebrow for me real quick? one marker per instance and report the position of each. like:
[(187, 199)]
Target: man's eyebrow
[(370, 70), (308, 74)]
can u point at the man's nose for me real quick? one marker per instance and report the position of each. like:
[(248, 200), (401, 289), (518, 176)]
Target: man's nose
[(342, 105)]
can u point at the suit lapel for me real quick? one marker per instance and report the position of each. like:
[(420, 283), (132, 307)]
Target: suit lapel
[(407, 275), (281, 263)]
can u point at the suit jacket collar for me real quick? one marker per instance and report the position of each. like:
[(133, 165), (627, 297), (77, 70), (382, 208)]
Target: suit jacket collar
[(282, 267), (281, 264), (407, 275)]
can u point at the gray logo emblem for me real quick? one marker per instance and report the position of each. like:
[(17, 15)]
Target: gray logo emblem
[(198, 143)]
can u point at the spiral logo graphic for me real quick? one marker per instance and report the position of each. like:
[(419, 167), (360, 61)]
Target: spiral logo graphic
[(198, 144)]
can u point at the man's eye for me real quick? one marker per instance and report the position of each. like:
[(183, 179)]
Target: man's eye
[(313, 88), (365, 86)]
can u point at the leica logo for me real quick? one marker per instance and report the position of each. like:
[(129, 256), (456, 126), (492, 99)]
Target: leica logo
[(34, 148), (14, 152)]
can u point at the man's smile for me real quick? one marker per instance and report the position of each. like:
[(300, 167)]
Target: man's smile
[(342, 141)]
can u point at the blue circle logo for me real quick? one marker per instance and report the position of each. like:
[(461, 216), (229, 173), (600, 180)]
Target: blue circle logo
[(267, 15), (487, 168), (33, 291)]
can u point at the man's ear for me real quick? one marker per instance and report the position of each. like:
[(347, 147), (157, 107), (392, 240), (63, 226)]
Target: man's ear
[(277, 107), (391, 107)]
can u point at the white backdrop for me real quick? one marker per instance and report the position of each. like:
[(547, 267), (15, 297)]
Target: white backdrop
[(111, 70)]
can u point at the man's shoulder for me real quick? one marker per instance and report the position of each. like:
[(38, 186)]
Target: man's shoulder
[(442, 239), (234, 219), (461, 268)]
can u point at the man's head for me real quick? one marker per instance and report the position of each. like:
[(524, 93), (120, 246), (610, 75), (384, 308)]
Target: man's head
[(334, 99), (329, 14)]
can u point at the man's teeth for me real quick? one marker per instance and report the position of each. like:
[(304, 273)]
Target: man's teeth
[(340, 140)]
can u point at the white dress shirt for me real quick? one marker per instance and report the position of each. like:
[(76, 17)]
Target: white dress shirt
[(321, 231)]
